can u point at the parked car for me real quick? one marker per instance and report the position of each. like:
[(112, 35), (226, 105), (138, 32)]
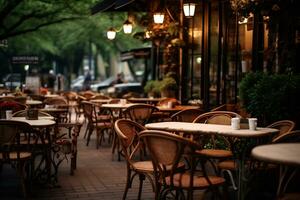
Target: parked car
[(77, 84), (118, 90), (13, 80), (97, 87)]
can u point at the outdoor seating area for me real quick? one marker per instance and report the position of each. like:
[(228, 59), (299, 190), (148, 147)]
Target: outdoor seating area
[(161, 150), (150, 100)]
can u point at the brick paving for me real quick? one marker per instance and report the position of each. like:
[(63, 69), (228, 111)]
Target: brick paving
[(96, 177)]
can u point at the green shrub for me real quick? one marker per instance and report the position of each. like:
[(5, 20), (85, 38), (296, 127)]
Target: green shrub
[(152, 87), (270, 97)]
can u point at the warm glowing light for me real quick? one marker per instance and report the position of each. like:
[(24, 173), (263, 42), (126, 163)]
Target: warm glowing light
[(26, 67), (127, 27), (158, 17), (148, 34), (111, 33), (189, 9)]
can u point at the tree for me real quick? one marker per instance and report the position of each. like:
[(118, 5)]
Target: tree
[(23, 16)]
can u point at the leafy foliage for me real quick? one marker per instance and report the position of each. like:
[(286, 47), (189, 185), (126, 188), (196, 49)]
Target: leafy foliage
[(270, 97)]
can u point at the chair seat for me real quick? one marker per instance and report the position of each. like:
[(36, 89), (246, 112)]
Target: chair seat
[(103, 125), (147, 166), (103, 118), (13, 155), (215, 153), (183, 181), (227, 164)]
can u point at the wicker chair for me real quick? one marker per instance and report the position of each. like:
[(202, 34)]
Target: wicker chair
[(167, 150), (23, 113), (13, 152), (289, 137), (284, 126), (140, 113), (100, 123), (187, 115), (128, 134), (216, 117)]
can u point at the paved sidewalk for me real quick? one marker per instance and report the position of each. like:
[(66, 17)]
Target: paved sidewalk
[(96, 177)]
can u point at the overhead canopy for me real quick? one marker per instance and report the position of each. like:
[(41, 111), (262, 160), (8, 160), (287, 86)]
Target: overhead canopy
[(121, 5)]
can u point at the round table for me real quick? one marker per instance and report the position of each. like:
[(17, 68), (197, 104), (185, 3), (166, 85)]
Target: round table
[(284, 153), (287, 155), (145, 100), (39, 123), (117, 105), (100, 101), (199, 128), (224, 130), (176, 108)]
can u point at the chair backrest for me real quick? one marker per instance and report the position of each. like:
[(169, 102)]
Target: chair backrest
[(187, 115), (166, 150), (55, 101), (100, 96), (10, 132), (289, 137), (23, 113), (205, 116), (11, 105), (164, 102), (70, 96), (222, 119), (226, 107), (128, 134), (284, 126), (87, 94), (88, 110), (140, 113)]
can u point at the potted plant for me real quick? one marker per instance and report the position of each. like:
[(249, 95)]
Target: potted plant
[(168, 87), (152, 88)]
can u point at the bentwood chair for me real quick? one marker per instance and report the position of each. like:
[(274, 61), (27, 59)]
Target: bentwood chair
[(187, 115), (128, 134), (167, 150), (284, 126), (216, 117), (15, 152), (140, 113), (100, 123)]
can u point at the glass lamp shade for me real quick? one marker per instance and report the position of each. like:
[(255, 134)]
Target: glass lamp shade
[(127, 27), (189, 9), (111, 33), (158, 17)]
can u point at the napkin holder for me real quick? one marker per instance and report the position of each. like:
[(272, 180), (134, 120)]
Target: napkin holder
[(244, 124), (32, 114)]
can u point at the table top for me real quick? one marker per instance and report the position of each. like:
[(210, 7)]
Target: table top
[(41, 122), (100, 100), (210, 128), (134, 99), (283, 153), (33, 102), (117, 105), (51, 95), (176, 108)]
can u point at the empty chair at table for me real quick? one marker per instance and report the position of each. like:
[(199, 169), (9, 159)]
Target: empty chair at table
[(187, 115), (284, 126), (128, 134), (101, 123), (167, 150), (17, 152), (140, 113)]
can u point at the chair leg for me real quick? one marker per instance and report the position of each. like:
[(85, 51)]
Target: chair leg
[(142, 178), (89, 136), (128, 183)]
